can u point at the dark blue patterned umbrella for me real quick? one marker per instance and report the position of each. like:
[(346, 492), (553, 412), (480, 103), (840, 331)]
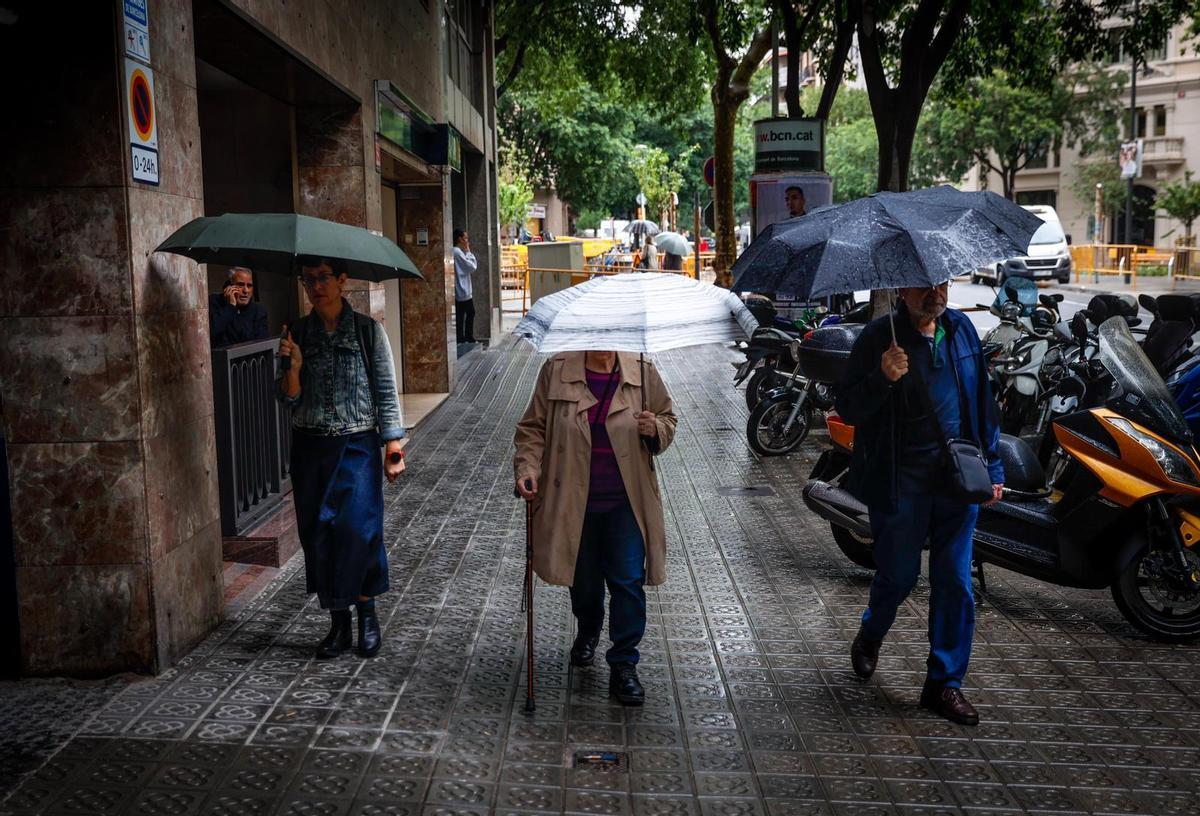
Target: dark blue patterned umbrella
[(884, 241)]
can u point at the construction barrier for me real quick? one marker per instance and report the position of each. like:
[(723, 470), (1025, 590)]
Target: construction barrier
[(1130, 262), (513, 265), (1185, 264), (577, 277)]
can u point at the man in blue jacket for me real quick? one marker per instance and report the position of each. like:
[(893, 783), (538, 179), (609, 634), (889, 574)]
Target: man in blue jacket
[(898, 471)]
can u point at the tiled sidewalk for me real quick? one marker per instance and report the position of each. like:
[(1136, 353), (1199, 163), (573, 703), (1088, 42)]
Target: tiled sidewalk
[(751, 705)]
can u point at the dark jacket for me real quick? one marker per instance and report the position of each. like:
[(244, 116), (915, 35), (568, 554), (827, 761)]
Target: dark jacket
[(228, 325), (876, 407)]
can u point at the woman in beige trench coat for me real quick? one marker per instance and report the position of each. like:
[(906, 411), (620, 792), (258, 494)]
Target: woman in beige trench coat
[(584, 458)]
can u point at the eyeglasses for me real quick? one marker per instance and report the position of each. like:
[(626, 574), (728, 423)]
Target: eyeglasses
[(314, 280)]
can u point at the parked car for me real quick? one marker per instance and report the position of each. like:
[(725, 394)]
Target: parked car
[(1049, 255)]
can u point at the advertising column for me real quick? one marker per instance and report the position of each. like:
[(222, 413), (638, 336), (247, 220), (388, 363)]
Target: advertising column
[(789, 171)]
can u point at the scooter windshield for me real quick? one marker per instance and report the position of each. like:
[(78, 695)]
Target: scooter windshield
[(1022, 291), (1144, 398)]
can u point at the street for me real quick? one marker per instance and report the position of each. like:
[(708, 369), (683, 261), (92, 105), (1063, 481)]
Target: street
[(752, 707)]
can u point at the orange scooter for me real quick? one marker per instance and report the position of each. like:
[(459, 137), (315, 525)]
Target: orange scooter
[(1121, 510)]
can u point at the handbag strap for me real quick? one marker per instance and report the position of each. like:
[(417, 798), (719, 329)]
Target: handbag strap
[(927, 404)]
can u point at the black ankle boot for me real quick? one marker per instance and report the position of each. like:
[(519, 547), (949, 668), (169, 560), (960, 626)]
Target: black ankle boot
[(369, 636), (623, 684), (339, 638)]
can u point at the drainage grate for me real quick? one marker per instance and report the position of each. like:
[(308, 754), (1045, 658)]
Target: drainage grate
[(746, 490), (602, 760)]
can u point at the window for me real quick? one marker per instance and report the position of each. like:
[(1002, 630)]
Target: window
[(1150, 122), (1046, 198), (1039, 157), (1117, 51), (1160, 120)]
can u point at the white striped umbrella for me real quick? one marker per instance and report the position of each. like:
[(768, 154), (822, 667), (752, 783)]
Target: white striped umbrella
[(642, 312)]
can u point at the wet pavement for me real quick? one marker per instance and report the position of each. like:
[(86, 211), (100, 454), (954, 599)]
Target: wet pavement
[(751, 709)]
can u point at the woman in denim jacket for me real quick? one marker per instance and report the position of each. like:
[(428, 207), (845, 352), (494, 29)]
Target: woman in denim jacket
[(341, 414)]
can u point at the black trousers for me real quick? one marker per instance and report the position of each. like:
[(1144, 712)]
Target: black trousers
[(465, 320)]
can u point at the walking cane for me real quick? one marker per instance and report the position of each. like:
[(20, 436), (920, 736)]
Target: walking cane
[(527, 601)]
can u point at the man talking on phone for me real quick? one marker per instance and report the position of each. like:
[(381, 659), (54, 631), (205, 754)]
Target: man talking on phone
[(234, 316)]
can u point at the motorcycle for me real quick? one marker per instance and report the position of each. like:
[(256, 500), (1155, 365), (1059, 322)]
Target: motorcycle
[(782, 420), (1122, 509)]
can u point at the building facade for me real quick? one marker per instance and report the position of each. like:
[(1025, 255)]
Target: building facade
[(378, 114), (1168, 122)]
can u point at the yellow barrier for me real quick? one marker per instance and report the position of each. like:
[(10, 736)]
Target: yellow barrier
[(1185, 264), (577, 277), (1095, 260)]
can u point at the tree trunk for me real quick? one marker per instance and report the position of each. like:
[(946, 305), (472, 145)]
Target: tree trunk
[(724, 122)]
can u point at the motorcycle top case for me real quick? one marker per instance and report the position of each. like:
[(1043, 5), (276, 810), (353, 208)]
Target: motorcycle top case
[(825, 352)]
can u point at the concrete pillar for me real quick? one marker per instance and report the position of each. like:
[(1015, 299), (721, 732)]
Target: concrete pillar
[(104, 360), (485, 241)]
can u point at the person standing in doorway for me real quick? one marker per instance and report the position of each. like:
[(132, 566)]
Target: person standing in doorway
[(341, 388), (907, 390), (234, 316), (465, 265), (584, 458)]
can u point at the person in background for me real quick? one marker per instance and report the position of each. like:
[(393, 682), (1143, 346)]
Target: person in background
[(672, 262), (649, 255), (234, 316), (464, 301), (794, 196), (584, 453), (340, 389)]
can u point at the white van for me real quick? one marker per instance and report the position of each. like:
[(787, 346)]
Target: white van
[(1049, 257)]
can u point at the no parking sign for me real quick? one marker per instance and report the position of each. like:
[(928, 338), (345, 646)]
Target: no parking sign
[(143, 121)]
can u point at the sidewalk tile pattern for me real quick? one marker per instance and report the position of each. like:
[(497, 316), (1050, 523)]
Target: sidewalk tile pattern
[(751, 706)]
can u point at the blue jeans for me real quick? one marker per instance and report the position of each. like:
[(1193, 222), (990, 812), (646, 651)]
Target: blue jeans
[(611, 551), (899, 537)]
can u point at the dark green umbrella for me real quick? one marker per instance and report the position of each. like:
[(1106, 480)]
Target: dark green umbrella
[(273, 241)]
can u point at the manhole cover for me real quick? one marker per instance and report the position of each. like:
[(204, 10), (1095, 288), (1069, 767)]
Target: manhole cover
[(602, 760), (746, 490)]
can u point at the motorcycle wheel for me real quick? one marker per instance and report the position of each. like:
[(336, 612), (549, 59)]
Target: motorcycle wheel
[(1163, 612), (764, 429), (760, 384), (859, 550)]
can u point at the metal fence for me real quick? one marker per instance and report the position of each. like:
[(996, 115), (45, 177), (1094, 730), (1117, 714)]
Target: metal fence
[(254, 434), (1091, 262)]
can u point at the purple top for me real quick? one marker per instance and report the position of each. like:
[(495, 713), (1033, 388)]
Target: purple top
[(607, 489)]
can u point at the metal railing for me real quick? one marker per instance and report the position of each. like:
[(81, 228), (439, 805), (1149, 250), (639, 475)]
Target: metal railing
[(254, 434), (589, 271)]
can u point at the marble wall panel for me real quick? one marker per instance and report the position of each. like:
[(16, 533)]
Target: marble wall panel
[(69, 379), (66, 250), (179, 163), (176, 369), (188, 594), (182, 495), (85, 620), (163, 282), (173, 46), (76, 504), (335, 193), (329, 137), (428, 305)]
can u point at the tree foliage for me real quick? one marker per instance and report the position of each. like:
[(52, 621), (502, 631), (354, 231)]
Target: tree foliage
[(514, 191), (658, 175), (1181, 200)]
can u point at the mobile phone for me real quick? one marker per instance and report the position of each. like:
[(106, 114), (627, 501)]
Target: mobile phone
[(285, 362)]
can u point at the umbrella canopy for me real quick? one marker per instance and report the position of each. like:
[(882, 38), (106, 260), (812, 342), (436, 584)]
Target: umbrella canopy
[(635, 311), (273, 241), (674, 243), (641, 227), (885, 241)]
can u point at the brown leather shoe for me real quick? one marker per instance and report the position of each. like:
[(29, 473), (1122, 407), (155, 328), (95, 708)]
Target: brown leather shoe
[(949, 702), (864, 654)]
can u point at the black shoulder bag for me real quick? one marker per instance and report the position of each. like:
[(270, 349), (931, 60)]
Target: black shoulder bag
[(966, 468)]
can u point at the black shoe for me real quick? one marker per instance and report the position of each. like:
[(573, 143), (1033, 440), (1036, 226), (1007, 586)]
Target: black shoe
[(339, 638), (864, 655), (948, 702), (583, 650), (369, 636), (623, 684)]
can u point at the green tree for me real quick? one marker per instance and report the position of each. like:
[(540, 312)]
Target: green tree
[(1181, 200), (1100, 170), (658, 175), (515, 193)]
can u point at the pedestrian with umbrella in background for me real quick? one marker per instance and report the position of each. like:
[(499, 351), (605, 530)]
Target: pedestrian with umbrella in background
[(926, 443), (585, 447), (675, 248), (338, 380)]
